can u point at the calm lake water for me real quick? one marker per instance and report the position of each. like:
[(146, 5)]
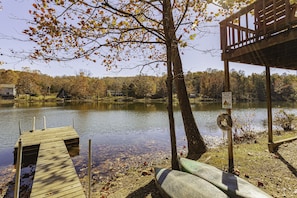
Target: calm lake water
[(141, 126)]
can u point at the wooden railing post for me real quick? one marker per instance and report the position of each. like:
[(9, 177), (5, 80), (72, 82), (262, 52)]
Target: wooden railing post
[(264, 17), (288, 12), (223, 32)]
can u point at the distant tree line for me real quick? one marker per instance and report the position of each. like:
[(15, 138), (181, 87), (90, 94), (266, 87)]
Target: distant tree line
[(207, 85)]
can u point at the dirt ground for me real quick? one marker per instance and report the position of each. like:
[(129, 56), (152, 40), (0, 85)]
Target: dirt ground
[(275, 173)]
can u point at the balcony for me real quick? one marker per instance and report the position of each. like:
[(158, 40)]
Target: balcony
[(263, 33)]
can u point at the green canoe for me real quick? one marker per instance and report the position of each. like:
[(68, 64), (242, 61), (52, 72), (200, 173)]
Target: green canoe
[(232, 185), (178, 184)]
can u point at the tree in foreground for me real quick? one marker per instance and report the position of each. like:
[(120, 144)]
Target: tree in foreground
[(149, 32)]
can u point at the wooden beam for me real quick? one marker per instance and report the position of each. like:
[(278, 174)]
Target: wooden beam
[(274, 146)]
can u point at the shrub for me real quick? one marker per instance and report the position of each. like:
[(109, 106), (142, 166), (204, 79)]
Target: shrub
[(243, 128), (284, 120)]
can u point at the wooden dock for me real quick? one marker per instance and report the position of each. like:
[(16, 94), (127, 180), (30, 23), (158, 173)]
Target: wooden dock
[(55, 175), (32, 140)]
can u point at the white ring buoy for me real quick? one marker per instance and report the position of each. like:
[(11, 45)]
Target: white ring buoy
[(224, 121)]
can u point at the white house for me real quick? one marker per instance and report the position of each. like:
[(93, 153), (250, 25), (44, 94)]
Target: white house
[(7, 91)]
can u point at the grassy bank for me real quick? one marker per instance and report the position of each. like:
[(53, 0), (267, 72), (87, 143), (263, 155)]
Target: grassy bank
[(110, 99)]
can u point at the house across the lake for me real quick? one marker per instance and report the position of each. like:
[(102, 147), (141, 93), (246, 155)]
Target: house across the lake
[(63, 94), (7, 91), (114, 93)]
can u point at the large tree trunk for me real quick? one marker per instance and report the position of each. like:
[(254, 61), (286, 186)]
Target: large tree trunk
[(169, 84), (174, 161), (196, 144)]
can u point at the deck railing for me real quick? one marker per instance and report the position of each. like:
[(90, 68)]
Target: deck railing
[(262, 19)]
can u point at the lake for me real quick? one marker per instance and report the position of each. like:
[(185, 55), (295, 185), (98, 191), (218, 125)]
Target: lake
[(120, 129)]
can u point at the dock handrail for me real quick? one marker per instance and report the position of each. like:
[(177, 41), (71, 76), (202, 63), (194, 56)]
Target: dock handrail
[(259, 20)]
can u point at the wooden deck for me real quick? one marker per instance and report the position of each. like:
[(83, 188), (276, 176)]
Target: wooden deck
[(55, 175), (263, 33)]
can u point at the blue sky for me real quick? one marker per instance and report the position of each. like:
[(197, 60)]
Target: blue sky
[(12, 23)]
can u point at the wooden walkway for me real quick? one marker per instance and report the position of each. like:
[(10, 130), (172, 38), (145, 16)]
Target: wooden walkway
[(32, 140), (48, 135), (55, 175)]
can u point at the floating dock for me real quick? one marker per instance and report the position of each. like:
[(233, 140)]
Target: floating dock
[(55, 175)]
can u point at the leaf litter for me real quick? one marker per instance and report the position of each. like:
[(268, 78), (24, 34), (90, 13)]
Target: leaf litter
[(127, 170)]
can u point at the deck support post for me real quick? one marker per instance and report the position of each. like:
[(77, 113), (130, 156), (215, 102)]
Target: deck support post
[(269, 109), (229, 134), (18, 170)]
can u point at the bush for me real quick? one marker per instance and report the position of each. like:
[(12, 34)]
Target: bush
[(243, 128), (284, 120)]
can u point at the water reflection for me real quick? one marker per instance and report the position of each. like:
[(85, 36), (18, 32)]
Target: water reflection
[(116, 106)]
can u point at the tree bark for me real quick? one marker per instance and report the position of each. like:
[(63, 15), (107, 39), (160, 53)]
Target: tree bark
[(169, 84), (196, 144), (174, 161)]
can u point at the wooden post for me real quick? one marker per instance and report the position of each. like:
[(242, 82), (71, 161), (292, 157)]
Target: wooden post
[(20, 129), (90, 167), (44, 123), (269, 108), (33, 125), (18, 171), (229, 134)]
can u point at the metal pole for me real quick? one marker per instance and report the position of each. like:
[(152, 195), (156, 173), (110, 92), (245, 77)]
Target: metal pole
[(44, 122), (33, 127), (90, 166), (229, 134), (18, 171)]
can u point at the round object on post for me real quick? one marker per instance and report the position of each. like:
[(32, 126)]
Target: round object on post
[(224, 121)]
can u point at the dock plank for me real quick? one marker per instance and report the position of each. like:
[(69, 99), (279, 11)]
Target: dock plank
[(55, 175), (49, 135)]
